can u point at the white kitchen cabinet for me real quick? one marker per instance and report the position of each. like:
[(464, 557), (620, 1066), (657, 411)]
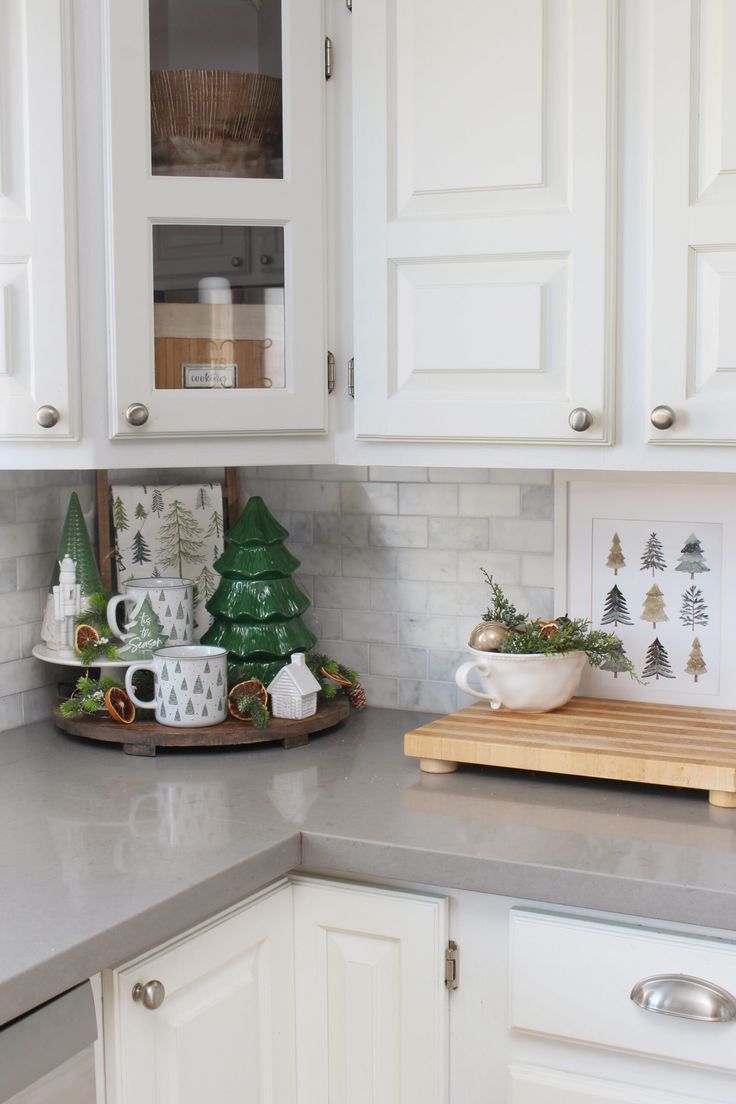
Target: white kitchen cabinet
[(371, 1001), (484, 208), (692, 210), (38, 324), (225, 1029), (311, 991), (174, 217)]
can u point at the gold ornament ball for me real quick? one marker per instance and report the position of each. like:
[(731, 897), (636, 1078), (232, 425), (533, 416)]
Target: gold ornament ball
[(488, 636)]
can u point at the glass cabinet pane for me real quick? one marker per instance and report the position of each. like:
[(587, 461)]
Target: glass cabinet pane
[(216, 88), (218, 306)]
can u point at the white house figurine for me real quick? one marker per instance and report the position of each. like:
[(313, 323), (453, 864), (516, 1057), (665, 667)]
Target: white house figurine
[(294, 690), (63, 606)]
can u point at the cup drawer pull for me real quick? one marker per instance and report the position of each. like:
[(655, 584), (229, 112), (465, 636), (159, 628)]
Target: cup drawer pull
[(690, 998)]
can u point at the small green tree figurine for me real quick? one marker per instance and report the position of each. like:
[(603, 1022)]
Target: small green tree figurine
[(257, 606), (75, 542)]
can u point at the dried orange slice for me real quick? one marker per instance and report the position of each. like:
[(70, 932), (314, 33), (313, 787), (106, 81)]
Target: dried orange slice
[(84, 635), (251, 688), (119, 705)]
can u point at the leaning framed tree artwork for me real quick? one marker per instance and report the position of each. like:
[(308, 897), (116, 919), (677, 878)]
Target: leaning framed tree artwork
[(649, 560)]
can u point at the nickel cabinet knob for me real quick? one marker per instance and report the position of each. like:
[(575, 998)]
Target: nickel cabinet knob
[(662, 417), (47, 416), (136, 414), (580, 419), (689, 998), (150, 994)]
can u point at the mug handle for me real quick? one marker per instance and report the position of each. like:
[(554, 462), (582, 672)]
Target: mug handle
[(461, 678), (112, 605), (130, 689)]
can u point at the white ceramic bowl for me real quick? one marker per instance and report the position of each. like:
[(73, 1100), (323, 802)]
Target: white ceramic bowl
[(524, 683)]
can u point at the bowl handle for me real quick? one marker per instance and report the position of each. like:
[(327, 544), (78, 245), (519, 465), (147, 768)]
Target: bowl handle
[(461, 678)]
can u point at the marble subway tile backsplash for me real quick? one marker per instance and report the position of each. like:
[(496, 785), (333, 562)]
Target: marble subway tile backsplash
[(391, 558), (32, 509)]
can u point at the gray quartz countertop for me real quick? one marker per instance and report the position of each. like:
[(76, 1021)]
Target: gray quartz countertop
[(103, 856)]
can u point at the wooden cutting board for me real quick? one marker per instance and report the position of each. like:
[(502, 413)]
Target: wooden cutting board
[(623, 740)]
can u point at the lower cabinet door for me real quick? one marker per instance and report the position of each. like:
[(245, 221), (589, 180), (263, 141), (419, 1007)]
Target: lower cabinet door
[(371, 1003), (224, 1030)]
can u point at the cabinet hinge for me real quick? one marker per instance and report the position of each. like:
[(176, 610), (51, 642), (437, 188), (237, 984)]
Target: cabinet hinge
[(330, 372), (349, 5), (452, 965), (328, 57), (351, 377)]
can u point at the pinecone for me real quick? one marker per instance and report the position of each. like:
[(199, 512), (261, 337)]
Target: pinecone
[(356, 696)]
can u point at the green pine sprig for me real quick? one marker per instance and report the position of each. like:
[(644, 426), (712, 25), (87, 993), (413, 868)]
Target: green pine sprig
[(88, 697), (501, 609), (254, 708)]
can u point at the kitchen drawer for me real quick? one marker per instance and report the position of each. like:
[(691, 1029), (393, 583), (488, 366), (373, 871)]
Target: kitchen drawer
[(571, 978)]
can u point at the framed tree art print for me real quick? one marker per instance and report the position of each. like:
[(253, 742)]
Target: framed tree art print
[(649, 559)]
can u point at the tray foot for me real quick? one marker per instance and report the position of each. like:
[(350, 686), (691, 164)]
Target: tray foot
[(139, 749), (722, 798), (296, 741), (437, 766)]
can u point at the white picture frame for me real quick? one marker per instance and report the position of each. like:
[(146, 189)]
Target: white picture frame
[(587, 506)]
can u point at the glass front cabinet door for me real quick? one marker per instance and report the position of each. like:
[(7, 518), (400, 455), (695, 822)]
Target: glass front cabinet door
[(215, 207)]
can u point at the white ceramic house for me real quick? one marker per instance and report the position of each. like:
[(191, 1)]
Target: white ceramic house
[(294, 690)]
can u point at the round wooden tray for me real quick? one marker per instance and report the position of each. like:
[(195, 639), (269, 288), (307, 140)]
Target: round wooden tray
[(143, 737)]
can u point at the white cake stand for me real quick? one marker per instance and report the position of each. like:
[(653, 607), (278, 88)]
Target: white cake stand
[(114, 667)]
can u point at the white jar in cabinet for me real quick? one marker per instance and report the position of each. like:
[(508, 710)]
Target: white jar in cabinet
[(214, 165)]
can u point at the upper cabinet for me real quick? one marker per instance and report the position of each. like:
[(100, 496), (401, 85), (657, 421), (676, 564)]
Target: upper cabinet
[(692, 211), (485, 178), (38, 327), (215, 207)]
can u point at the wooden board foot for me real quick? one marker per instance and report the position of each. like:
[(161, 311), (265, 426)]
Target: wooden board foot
[(296, 741), (139, 749), (437, 766), (722, 798)]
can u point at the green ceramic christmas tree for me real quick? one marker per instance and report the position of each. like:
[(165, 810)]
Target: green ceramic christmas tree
[(257, 606), (75, 542)]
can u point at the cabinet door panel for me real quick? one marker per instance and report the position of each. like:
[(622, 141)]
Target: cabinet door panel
[(693, 221), (484, 203), (38, 336), (371, 1001), (279, 221), (225, 1028)]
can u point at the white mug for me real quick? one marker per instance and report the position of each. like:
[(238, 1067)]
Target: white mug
[(190, 685), (524, 683), (172, 600)]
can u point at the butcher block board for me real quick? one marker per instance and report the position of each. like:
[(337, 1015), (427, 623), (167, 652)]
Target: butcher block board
[(596, 738)]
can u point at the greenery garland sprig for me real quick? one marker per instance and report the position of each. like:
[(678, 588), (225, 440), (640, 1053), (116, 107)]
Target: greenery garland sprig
[(95, 615)]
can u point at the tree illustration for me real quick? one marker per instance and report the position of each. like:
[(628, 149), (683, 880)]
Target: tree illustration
[(652, 558), (693, 610), (615, 555), (156, 573), (141, 551), (214, 528), (615, 611), (657, 662), (696, 664), (205, 585), (615, 662), (74, 541), (180, 538), (140, 512), (143, 634), (257, 606), (157, 501), (691, 558), (119, 515), (653, 609), (203, 499)]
